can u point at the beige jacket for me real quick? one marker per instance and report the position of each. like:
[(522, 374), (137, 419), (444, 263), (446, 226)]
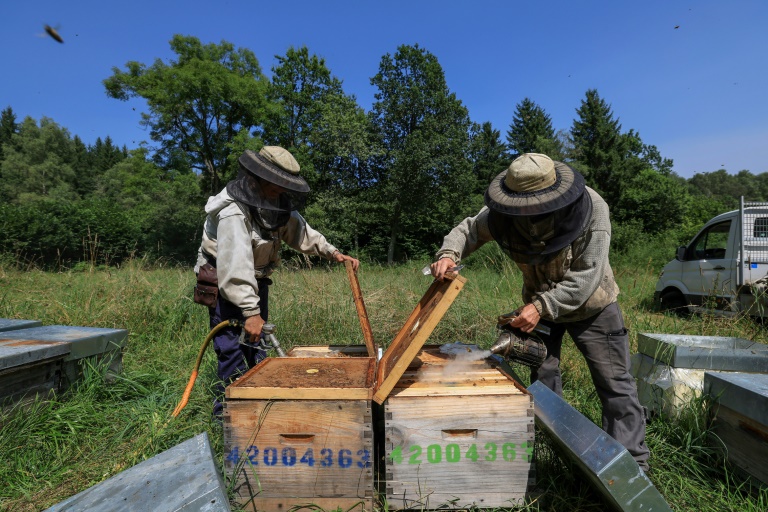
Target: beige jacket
[(245, 252), (577, 284)]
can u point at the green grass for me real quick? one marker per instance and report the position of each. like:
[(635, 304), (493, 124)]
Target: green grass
[(52, 450)]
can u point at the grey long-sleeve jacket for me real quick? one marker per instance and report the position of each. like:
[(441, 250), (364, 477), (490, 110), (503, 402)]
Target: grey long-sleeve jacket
[(244, 251), (577, 284)]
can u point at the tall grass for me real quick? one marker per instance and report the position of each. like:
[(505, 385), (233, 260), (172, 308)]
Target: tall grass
[(52, 450)]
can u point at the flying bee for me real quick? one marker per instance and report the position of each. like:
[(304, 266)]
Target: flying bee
[(53, 33)]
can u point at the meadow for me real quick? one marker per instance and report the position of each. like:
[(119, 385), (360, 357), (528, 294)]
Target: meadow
[(53, 449)]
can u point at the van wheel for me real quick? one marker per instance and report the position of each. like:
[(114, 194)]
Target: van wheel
[(672, 301)]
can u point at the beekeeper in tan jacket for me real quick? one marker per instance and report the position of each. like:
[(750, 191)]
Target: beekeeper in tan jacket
[(245, 226)]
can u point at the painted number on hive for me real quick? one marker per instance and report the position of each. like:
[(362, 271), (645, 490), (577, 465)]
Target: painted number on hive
[(289, 457), (436, 454)]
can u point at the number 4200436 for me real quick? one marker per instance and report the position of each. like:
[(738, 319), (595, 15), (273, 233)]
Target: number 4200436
[(435, 453)]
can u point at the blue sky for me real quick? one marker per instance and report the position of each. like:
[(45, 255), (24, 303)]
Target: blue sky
[(697, 91)]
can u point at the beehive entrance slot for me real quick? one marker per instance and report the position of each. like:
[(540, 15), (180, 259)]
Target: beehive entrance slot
[(297, 438), (468, 433)]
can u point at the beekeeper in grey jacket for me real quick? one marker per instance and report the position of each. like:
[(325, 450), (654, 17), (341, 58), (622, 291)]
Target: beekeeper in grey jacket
[(244, 228), (558, 233)]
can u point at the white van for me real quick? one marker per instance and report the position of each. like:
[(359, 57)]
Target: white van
[(723, 269)]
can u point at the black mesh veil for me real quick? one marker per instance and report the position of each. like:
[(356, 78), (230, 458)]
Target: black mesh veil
[(269, 210), (537, 239)]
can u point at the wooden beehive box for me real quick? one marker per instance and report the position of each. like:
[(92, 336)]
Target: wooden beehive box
[(458, 434), (740, 419), (30, 367), (299, 431), (39, 360)]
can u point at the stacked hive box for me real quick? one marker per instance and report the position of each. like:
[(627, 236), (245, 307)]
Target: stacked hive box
[(458, 434), (40, 360), (670, 367), (740, 419), (300, 431), (29, 367)]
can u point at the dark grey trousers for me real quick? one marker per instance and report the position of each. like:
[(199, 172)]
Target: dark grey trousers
[(603, 341)]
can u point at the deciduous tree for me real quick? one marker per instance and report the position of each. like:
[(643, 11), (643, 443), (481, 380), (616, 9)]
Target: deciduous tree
[(198, 102), (424, 179), (36, 164), (659, 202)]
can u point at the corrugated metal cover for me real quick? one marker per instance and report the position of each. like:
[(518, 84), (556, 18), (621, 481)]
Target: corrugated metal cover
[(705, 352), (745, 393), (84, 341), (7, 324), (182, 479), (605, 462)]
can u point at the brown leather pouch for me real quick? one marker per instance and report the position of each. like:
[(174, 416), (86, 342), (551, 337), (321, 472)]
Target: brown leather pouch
[(207, 287)]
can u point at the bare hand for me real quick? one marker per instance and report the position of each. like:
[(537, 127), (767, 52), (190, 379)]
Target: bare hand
[(527, 318), (441, 266), (341, 258), (253, 325)]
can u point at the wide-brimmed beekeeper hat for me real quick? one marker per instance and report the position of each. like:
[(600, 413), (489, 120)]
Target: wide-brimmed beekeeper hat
[(271, 164), (534, 184), (276, 165)]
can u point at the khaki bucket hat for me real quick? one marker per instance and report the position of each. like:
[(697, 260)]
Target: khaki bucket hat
[(276, 165), (534, 184)]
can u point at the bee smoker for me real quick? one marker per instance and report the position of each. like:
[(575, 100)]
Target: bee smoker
[(518, 346)]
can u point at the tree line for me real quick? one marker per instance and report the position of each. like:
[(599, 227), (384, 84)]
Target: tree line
[(387, 183)]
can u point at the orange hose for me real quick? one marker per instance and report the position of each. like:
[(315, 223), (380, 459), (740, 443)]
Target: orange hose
[(193, 377)]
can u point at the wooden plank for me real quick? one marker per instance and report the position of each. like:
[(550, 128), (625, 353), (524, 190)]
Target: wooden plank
[(448, 375), (362, 314), (302, 393), (432, 500), (307, 378), (431, 354), (409, 341), (263, 504), (745, 441), (296, 452)]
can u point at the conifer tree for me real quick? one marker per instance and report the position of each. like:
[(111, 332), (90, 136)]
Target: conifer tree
[(8, 127), (531, 129), (599, 146), (488, 154)]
